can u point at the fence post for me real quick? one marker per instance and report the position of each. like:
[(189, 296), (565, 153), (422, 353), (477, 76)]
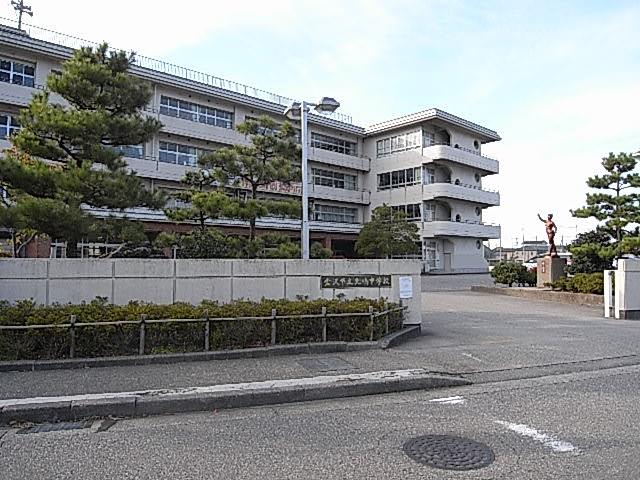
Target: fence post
[(273, 326), (72, 335), (207, 330), (324, 324), (371, 323), (143, 319), (386, 318)]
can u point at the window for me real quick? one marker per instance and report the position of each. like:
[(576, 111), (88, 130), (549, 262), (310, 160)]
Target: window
[(399, 178), (17, 73), (397, 143), (333, 144), (429, 176), (195, 112), (131, 151), (429, 212), (8, 125), (329, 213), (328, 178), (428, 139), (412, 211), (179, 154), (430, 253)]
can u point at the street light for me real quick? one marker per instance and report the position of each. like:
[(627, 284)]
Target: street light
[(299, 111)]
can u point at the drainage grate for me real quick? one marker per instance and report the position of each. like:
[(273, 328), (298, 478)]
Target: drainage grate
[(325, 364), (56, 427), (448, 452)]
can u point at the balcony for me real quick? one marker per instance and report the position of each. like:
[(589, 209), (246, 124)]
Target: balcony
[(339, 194), (276, 223), (197, 130), (339, 159), (469, 193), (461, 156), (447, 228)]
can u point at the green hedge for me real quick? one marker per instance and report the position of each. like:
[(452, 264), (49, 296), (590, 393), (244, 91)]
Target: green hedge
[(179, 337), (581, 283)]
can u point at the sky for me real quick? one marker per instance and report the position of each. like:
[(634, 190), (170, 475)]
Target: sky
[(558, 80)]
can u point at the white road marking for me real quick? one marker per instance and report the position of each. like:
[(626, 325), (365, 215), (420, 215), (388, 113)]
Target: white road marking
[(449, 400), (471, 356), (323, 380), (559, 446)]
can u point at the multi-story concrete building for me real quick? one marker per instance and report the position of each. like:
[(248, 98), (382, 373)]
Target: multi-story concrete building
[(429, 164)]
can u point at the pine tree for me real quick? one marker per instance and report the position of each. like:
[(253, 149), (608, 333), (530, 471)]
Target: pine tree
[(387, 234), (269, 158), (616, 204), (66, 157), (201, 202)]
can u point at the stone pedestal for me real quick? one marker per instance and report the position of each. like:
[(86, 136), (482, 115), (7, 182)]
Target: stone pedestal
[(550, 269)]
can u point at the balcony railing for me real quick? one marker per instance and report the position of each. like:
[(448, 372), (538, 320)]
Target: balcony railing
[(464, 156), (161, 66), (469, 228), (464, 149)]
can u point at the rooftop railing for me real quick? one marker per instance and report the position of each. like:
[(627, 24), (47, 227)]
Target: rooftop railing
[(69, 41)]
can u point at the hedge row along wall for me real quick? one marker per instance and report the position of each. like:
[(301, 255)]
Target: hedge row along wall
[(97, 341)]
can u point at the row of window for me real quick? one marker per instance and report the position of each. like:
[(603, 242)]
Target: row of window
[(18, 73), (329, 178), (412, 211), (8, 125), (179, 154), (398, 143), (330, 213), (333, 144), (399, 178), (195, 112)]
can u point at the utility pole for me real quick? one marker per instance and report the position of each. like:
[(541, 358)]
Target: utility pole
[(20, 7)]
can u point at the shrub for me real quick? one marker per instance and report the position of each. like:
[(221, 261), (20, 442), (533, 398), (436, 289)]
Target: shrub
[(581, 283), (93, 341), (508, 273)]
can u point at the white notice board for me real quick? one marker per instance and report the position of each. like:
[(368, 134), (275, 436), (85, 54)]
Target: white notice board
[(406, 287)]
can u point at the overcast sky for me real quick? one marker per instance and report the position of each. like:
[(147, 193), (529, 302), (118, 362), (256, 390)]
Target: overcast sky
[(558, 80)]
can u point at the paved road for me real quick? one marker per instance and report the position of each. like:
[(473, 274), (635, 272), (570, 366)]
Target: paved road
[(556, 395), (575, 426)]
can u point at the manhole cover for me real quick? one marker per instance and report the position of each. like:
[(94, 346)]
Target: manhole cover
[(449, 452), (56, 427)]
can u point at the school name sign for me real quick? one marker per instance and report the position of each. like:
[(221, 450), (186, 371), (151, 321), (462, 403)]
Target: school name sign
[(353, 281)]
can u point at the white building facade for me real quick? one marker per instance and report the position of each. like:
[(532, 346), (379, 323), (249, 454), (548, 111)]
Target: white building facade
[(428, 164)]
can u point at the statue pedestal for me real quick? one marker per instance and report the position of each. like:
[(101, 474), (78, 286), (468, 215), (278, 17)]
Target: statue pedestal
[(550, 269)]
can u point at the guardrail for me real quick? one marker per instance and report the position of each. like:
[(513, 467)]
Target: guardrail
[(74, 327)]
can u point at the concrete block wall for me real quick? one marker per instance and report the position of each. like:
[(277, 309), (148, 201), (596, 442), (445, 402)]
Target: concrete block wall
[(48, 281)]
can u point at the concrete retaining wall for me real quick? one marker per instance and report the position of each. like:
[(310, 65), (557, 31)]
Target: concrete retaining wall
[(547, 295), (49, 281)]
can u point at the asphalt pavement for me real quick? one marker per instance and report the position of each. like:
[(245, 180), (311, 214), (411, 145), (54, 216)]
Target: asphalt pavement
[(571, 426), (556, 393)]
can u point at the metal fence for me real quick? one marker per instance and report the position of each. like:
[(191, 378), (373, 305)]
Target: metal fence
[(74, 327)]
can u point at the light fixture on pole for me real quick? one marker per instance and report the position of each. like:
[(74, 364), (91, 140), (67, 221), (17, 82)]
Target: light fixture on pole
[(299, 111)]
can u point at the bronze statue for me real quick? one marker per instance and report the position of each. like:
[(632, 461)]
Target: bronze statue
[(551, 233)]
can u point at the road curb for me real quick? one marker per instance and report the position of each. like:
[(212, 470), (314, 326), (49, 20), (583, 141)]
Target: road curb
[(401, 336), (133, 360), (140, 404), (391, 340)]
